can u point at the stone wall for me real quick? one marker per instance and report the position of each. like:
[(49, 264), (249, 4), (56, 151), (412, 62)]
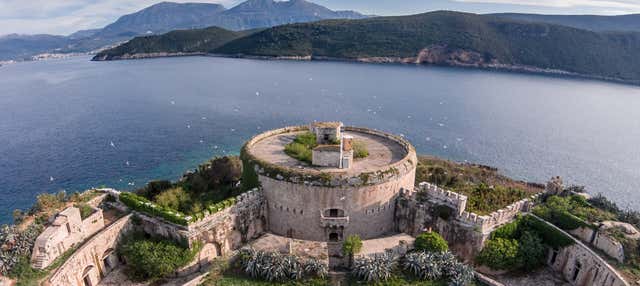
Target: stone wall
[(466, 232), (94, 259), (326, 158), (580, 266), (298, 210), (220, 233), (599, 239)]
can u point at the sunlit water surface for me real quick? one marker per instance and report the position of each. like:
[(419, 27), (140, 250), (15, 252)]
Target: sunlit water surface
[(73, 124)]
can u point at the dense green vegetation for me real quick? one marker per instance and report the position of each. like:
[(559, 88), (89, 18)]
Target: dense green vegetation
[(431, 242), (212, 187), (488, 39), (149, 259), (276, 267), (180, 41), (521, 245), (360, 149), (302, 146), (571, 212), (486, 189)]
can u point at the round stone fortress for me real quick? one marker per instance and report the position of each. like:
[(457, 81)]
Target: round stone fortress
[(337, 195)]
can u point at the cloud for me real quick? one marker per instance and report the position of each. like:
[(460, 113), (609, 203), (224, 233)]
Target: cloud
[(68, 16), (625, 6)]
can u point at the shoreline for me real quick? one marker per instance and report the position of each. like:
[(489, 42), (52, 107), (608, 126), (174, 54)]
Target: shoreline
[(518, 69)]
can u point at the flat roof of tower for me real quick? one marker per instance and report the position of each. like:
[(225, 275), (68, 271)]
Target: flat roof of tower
[(383, 151)]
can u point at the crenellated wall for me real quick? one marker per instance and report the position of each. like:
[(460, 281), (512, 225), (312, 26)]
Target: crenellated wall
[(221, 232), (420, 210)]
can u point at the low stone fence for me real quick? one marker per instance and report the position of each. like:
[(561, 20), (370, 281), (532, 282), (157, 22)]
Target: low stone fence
[(93, 259)]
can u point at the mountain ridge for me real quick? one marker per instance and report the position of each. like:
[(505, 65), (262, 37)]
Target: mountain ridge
[(168, 16), (441, 38)]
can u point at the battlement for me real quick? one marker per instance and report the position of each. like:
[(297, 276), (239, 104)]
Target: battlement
[(442, 196), (482, 223)]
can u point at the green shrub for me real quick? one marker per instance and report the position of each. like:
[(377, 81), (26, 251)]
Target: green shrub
[(154, 188), (550, 236), (531, 251), (141, 204), (150, 259), (299, 152), (360, 149), (352, 245), (85, 210), (508, 231), (431, 242), (301, 147), (174, 198), (500, 253)]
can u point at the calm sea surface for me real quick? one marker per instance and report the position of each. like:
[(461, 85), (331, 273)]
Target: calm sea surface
[(73, 124)]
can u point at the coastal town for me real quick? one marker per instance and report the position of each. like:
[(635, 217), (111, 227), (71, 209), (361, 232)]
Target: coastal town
[(326, 204)]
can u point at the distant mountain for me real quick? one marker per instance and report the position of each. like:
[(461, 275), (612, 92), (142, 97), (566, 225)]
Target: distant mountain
[(442, 38), (167, 16), (22, 46), (625, 23), (161, 18)]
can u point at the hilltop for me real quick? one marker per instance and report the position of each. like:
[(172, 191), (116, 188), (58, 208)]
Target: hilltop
[(168, 16), (442, 38)]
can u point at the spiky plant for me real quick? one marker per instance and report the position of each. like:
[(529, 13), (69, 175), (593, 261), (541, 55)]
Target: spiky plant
[(314, 267), (447, 262), (461, 275), (425, 265), (374, 269), (270, 266)]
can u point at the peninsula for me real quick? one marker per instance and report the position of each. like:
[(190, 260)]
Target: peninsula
[(326, 204), (439, 38)]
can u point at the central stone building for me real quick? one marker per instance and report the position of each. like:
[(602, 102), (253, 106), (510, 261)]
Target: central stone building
[(335, 195)]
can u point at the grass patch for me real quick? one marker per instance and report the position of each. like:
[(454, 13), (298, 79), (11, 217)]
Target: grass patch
[(301, 147), (571, 212), (85, 210), (360, 149)]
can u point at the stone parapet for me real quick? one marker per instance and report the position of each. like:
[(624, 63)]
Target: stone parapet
[(481, 223)]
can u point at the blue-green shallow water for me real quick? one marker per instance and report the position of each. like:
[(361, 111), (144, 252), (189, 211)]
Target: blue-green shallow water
[(58, 119)]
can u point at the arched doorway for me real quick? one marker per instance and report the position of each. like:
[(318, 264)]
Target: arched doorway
[(87, 277), (109, 260)]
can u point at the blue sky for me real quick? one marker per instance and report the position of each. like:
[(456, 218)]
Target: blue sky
[(67, 16)]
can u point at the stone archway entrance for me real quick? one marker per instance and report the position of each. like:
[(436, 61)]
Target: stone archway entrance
[(86, 276)]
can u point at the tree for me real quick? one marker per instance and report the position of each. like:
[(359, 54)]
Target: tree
[(431, 242), (531, 251), (351, 246), (500, 253)]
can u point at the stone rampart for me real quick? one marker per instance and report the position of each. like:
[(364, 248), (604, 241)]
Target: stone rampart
[(93, 259), (441, 196), (220, 232), (581, 266)]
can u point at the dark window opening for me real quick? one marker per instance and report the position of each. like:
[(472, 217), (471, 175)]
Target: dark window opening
[(576, 271), (333, 237), (68, 228), (326, 137), (554, 256), (107, 263), (334, 213), (87, 280)]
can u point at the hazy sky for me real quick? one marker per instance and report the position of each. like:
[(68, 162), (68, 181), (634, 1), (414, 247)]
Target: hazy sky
[(67, 16)]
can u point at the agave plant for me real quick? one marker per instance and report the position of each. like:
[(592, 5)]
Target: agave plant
[(461, 275), (425, 265), (447, 262), (270, 266), (314, 267), (374, 269)]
